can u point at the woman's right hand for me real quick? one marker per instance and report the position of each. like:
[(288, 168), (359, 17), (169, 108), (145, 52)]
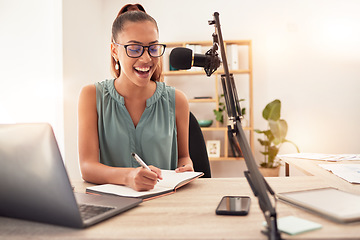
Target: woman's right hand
[(141, 179)]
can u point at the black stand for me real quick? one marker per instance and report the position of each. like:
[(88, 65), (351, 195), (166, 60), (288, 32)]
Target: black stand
[(256, 181)]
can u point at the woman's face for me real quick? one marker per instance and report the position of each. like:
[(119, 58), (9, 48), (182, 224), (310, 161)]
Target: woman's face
[(137, 70)]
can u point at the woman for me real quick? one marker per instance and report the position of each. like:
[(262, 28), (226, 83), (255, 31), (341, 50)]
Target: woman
[(135, 112)]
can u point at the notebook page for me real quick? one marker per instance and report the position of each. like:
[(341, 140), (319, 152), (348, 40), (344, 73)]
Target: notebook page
[(171, 178)]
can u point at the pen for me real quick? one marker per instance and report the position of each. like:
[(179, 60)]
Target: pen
[(140, 161)]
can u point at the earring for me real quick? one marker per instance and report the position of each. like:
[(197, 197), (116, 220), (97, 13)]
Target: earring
[(117, 65)]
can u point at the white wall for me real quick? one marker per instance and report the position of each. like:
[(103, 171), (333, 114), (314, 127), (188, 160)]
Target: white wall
[(305, 53), (83, 64), (31, 63)]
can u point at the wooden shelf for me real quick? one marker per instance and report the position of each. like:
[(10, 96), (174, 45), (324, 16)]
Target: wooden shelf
[(204, 100), (204, 129), (187, 72), (206, 43), (227, 159), (215, 99), (183, 72)]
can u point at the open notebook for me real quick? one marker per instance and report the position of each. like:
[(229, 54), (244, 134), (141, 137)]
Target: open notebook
[(171, 181)]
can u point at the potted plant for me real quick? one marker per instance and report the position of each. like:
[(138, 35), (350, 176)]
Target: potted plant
[(219, 116), (219, 113), (274, 136)]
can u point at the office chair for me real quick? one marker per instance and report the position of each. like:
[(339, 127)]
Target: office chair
[(197, 148)]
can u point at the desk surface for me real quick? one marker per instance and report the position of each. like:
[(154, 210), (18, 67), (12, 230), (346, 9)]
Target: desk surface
[(312, 168), (189, 214)]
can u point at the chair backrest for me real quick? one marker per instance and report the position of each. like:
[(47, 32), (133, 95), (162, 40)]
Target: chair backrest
[(197, 148)]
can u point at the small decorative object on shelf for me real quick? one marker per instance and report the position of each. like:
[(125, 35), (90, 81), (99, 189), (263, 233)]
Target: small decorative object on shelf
[(213, 148), (203, 97), (205, 123)]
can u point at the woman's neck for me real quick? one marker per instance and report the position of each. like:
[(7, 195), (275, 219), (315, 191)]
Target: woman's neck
[(129, 90)]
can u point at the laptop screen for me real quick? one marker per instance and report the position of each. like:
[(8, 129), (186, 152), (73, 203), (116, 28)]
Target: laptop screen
[(33, 179)]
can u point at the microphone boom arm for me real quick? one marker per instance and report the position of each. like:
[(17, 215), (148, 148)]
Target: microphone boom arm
[(257, 182)]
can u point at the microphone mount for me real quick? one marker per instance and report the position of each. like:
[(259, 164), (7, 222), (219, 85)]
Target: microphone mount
[(257, 182), (214, 60)]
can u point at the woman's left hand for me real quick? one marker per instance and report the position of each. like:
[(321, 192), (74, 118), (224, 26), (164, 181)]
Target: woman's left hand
[(185, 168)]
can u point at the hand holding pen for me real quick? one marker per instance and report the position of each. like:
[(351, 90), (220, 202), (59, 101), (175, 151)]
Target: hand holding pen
[(153, 169)]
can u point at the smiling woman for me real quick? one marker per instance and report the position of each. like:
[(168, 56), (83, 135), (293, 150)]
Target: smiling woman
[(134, 112), (119, 27)]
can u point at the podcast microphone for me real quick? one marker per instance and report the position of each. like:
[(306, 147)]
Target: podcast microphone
[(184, 58)]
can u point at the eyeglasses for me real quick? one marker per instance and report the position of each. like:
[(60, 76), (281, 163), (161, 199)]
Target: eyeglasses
[(136, 50)]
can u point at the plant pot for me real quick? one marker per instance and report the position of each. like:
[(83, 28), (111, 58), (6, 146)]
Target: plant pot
[(270, 172)]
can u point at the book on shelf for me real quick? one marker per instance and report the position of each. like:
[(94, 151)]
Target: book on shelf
[(170, 182), (232, 56)]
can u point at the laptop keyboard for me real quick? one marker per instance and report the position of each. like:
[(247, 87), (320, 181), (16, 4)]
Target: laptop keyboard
[(89, 211)]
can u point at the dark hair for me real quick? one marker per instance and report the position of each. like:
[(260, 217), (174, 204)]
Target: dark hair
[(118, 26), (131, 16), (131, 7)]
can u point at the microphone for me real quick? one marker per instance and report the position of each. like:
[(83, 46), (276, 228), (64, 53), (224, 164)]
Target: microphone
[(184, 58)]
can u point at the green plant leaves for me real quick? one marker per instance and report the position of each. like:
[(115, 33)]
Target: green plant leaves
[(219, 113), (272, 110), (219, 116), (271, 153), (275, 135), (279, 130)]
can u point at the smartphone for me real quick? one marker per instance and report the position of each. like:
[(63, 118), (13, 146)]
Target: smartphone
[(234, 205)]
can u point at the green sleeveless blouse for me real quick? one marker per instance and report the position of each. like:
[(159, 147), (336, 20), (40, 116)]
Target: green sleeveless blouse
[(155, 137)]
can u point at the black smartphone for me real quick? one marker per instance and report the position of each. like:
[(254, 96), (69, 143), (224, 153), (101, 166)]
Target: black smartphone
[(234, 205)]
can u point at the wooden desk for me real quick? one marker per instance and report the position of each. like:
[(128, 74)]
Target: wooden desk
[(189, 214), (312, 168)]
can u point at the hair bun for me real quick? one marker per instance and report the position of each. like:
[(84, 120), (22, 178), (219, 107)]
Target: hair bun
[(131, 7)]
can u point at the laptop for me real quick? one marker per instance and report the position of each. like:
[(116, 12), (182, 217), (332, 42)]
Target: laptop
[(34, 184), (331, 203)]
